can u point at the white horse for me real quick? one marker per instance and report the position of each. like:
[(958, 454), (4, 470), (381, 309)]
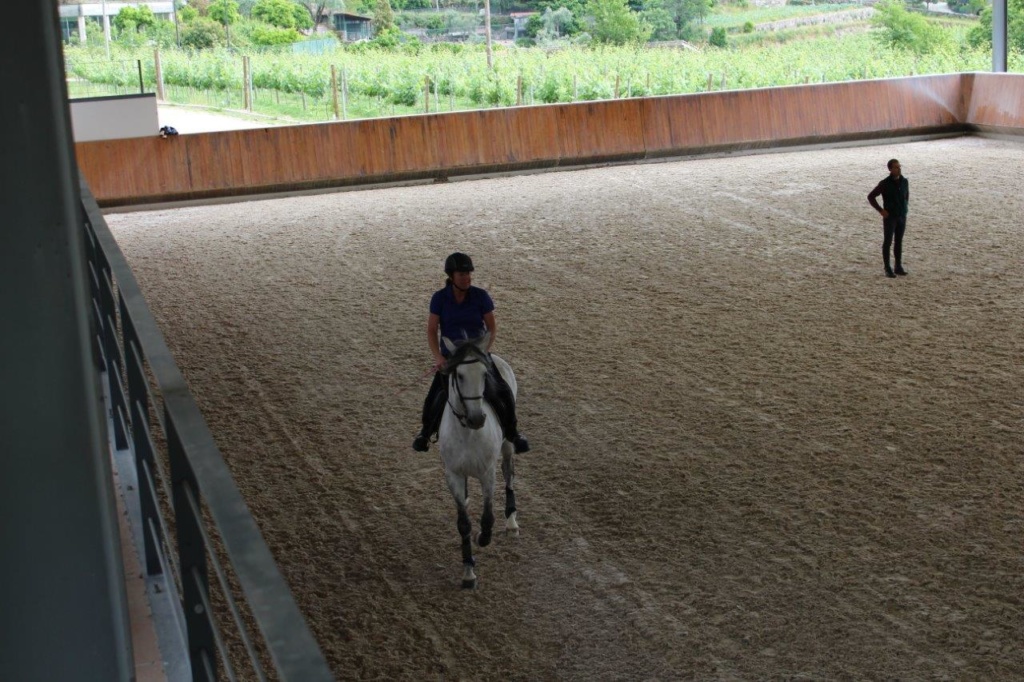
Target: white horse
[(471, 441)]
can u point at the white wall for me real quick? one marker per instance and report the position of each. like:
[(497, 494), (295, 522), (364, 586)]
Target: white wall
[(111, 118), (95, 9)]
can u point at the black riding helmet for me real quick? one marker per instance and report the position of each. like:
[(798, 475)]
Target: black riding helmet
[(457, 262)]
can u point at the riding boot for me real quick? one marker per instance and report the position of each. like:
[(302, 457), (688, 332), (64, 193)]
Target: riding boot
[(433, 410), (504, 403)]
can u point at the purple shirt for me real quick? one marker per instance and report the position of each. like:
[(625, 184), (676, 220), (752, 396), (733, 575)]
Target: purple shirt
[(460, 321)]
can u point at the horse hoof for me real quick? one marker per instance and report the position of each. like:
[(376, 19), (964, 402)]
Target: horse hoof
[(483, 539), (511, 525), (469, 584)]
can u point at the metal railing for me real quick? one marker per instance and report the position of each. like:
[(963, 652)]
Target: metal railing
[(194, 517)]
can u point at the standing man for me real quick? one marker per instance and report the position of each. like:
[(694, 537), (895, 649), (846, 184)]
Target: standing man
[(895, 191)]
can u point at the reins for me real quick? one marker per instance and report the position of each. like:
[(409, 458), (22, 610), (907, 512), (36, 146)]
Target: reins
[(458, 390), (450, 367), (430, 370)]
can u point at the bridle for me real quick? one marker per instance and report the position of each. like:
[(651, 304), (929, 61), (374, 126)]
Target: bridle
[(457, 360)]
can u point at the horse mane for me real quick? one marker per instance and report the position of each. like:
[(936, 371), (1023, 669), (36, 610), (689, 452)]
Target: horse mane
[(464, 348)]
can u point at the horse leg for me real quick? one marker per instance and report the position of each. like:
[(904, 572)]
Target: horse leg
[(508, 469), (487, 519), (468, 562), (458, 487)]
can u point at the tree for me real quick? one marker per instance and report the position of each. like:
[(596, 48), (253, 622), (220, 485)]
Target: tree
[(578, 9), (136, 19), (905, 30), (383, 17), (699, 9), (682, 14), (162, 33), (224, 12), (556, 22), (967, 6), (318, 9), (685, 12), (303, 21), (201, 33), (616, 24), (718, 38), (280, 13), (981, 35), (388, 39), (660, 21), (551, 27), (264, 34)]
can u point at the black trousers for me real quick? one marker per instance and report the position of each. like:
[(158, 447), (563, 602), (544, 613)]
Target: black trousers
[(497, 392), (892, 230)]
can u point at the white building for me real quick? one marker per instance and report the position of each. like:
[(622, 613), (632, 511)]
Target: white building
[(73, 17)]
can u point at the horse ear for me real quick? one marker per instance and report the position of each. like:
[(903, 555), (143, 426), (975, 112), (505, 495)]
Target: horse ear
[(448, 344)]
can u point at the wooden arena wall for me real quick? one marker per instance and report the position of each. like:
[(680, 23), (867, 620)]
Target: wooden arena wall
[(995, 102), (152, 169)]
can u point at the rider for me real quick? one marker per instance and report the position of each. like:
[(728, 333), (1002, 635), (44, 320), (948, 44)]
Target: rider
[(462, 311)]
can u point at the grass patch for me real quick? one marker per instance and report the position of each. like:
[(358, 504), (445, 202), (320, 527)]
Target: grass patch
[(786, 35), (733, 17)]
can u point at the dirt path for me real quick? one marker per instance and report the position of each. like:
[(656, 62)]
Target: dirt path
[(754, 456), (188, 120)]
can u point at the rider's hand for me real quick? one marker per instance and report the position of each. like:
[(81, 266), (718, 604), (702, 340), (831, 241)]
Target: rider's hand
[(885, 214), (439, 363)]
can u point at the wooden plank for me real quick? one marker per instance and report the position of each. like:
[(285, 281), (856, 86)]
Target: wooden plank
[(681, 124), (997, 102), (515, 137), (215, 161), (123, 169), (599, 130), (375, 150), (533, 135)]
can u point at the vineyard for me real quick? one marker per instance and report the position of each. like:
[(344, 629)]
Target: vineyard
[(372, 82), (732, 16)]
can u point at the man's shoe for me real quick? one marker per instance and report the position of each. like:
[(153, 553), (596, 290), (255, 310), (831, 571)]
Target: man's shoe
[(421, 444), (520, 444), (889, 273), (900, 271)]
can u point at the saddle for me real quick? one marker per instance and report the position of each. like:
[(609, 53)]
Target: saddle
[(497, 393)]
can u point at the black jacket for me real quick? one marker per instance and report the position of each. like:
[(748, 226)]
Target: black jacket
[(895, 196)]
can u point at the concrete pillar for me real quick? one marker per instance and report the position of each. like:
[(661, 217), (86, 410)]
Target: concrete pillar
[(62, 586), (999, 36), (81, 28)]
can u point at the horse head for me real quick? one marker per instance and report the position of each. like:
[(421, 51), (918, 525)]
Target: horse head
[(467, 366)]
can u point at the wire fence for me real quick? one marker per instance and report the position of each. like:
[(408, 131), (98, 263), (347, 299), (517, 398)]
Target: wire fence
[(356, 84), (339, 101), (126, 77)]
